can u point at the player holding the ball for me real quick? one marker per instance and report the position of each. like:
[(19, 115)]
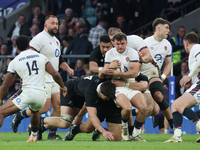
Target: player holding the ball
[(126, 97)]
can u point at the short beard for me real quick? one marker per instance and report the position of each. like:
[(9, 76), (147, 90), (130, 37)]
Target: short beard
[(51, 32)]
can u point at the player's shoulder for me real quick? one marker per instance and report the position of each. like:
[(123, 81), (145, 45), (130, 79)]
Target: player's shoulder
[(134, 37), (166, 41), (196, 46), (130, 49), (150, 38)]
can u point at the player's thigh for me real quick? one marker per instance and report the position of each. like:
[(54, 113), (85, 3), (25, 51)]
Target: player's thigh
[(138, 101), (186, 100), (123, 101), (154, 79), (8, 108), (116, 129), (46, 106), (55, 100)]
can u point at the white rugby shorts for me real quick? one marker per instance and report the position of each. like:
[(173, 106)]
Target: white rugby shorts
[(33, 98), (51, 88)]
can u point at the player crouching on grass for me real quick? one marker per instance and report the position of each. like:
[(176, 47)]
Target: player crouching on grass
[(31, 67)]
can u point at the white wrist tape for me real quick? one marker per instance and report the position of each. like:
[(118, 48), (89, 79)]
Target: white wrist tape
[(163, 76)]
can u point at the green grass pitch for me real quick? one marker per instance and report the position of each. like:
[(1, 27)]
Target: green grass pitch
[(83, 141)]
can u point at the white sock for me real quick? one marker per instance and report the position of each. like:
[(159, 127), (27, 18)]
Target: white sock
[(198, 124), (177, 133), (136, 132), (166, 131), (33, 134), (124, 124)]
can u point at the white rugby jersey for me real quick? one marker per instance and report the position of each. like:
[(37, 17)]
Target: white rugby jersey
[(130, 55), (48, 46), (192, 59), (30, 66), (158, 50), (136, 42)]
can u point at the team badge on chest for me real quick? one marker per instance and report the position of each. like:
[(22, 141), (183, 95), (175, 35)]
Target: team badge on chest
[(127, 59)]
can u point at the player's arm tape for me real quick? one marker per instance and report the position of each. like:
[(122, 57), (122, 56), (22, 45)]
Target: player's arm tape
[(100, 68), (126, 84), (67, 118), (163, 76)]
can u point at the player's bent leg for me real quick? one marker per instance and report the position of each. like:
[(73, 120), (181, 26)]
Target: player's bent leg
[(115, 128), (186, 100), (46, 106), (55, 102), (7, 109), (152, 106), (141, 106), (80, 116), (85, 127), (126, 106)]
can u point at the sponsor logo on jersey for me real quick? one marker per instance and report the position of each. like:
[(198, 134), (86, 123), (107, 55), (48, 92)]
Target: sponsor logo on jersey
[(57, 43), (165, 47), (151, 48), (127, 59), (57, 52), (158, 58)]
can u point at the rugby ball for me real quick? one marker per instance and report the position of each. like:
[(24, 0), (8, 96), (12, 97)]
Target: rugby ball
[(121, 69)]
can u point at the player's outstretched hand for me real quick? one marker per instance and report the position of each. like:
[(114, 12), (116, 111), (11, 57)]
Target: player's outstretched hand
[(115, 64), (70, 71), (109, 135), (64, 91), (184, 81)]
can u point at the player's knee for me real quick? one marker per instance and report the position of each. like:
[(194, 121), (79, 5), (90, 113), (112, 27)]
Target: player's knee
[(127, 110), (143, 109), (158, 96), (156, 89), (64, 125), (88, 130)]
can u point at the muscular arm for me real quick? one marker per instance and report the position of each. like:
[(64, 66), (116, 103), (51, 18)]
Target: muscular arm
[(133, 73), (139, 86), (56, 76), (168, 65), (97, 124), (146, 56), (93, 66), (65, 67), (95, 120), (5, 87)]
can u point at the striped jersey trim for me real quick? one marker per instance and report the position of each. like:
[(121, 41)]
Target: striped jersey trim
[(142, 48), (33, 49), (155, 64)]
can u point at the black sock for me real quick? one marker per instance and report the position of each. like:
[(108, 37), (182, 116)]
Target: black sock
[(171, 124), (41, 128), (21, 116), (191, 115), (138, 125), (178, 119), (130, 129), (76, 129), (134, 112), (52, 131), (34, 129), (125, 120)]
